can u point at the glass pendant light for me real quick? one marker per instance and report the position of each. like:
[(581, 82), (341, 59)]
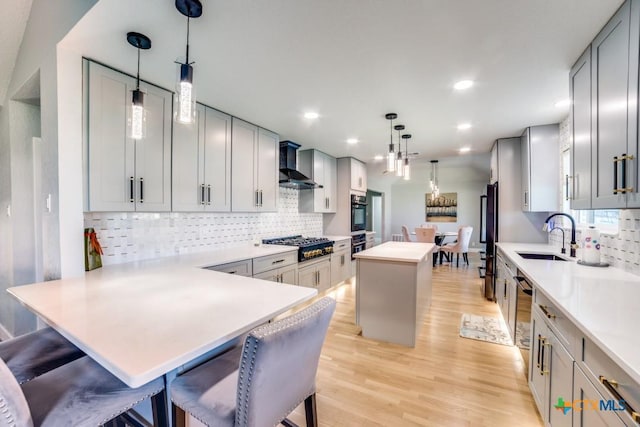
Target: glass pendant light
[(399, 159), (435, 190), (137, 115), (407, 168), (391, 155), (184, 107)]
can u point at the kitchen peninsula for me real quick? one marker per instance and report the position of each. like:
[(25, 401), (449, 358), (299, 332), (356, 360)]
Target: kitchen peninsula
[(393, 290)]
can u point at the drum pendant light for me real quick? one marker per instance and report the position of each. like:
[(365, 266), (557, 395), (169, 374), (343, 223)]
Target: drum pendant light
[(407, 169), (185, 105), (391, 155), (399, 159), (137, 115)]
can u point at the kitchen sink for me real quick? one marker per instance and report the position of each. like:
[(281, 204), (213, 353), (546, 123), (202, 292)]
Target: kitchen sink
[(551, 257)]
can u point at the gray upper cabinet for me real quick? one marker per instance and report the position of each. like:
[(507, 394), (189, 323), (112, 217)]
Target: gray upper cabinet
[(254, 168), (124, 174), (321, 168), (201, 178), (540, 168), (579, 182)]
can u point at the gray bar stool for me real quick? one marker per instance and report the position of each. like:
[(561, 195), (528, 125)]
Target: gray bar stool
[(262, 382), (36, 353), (80, 393)]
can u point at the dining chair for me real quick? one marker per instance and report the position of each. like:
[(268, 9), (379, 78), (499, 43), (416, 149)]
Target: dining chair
[(405, 234), (80, 393), (427, 225), (428, 235), (36, 353), (260, 383), (461, 246)]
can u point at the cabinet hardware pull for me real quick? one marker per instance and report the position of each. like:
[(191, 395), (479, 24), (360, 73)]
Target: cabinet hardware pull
[(538, 359), (131, 199), (277, 261), (233, 272), (260, 198), (341, 260), (256, 197), (615, 174), (545, 309), (545, 344), (542, 344), (141, 191), (526, 198), (209, 194), (202, 194), (624, 189), (612, 385), (566, 187)]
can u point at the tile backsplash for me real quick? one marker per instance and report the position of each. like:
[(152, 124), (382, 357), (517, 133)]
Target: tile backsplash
[(133, 236), (621, 250)]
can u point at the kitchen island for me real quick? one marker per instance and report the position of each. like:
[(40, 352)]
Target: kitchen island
[(393, 290)]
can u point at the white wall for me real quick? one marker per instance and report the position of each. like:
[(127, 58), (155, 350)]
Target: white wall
[(466, 175)]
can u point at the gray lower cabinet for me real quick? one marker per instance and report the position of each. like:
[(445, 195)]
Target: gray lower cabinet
[(584, 415), (340, 266), (287, 275), (241, 268), (315, 274), (281, 268), (550, 372)]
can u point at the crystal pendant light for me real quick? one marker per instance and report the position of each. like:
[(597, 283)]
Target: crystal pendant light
[(435, 190), (399, 159), (185, 104), (391, 155), (407, 168), (137, 115)]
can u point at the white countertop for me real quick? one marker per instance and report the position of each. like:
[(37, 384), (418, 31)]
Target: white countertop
[(603, 302), (398, 251), (142, 320)]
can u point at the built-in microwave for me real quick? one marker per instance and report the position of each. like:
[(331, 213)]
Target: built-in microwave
[(358, 212)]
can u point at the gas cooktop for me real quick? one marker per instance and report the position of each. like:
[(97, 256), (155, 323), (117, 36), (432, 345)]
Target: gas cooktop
[(308, 247)]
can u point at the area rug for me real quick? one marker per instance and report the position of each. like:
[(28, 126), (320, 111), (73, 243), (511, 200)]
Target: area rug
[(483, 328), (523, 334)]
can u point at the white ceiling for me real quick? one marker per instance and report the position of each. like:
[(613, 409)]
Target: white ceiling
[(352, 61), (13, 21)]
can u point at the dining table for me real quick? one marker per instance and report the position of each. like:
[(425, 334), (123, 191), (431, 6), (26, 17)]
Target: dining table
[(146, 320)]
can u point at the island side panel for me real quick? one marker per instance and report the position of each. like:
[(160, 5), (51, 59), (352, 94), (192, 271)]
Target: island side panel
[(423, 292), (387, 300)]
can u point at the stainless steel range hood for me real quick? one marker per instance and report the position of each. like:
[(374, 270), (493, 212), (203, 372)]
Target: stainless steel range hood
[(289, 175)]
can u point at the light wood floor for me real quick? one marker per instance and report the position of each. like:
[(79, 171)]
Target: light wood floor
[(444, 381)]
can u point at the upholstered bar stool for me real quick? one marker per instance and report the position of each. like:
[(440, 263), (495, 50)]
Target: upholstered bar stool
[(36, 353), (262, 382), (80, 393)]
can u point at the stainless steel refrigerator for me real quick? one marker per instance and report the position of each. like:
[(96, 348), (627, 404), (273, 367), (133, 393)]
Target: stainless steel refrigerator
[(502, 220)]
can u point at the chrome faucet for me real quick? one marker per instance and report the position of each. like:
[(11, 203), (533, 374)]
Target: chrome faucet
[(563, 250), (573, 245)]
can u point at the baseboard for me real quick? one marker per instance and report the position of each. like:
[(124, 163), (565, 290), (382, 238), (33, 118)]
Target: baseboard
[(4, 334)]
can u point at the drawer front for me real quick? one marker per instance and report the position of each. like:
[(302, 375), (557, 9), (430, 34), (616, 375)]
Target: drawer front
[(566, 331), (341, 244), (241, 268), (585, 396), (270, 262), (612, 382)]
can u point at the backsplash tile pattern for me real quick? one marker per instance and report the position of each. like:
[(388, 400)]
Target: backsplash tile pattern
[(621, 250), (132, 236)]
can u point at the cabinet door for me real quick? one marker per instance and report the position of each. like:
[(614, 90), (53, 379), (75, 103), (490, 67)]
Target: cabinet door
[(340, 266), (537, 378), (358, 176), (268, 158), (330, 183), (244, 140), (308, 276), (187, 179), (610, 72), (153, 153), (526, 171), (111, 169), (320, 202), (289, 274), (271, 275), (580, 122), (584, 415), (217, 161), (560, 381), (633, 145), (324, 275), (493, 172)]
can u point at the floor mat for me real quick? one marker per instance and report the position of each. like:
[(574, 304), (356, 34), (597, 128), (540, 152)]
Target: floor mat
[(523, 334), (483, 328)]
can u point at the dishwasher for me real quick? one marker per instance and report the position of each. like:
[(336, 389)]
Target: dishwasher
[(524, 297)]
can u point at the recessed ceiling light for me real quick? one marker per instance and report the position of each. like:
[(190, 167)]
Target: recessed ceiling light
[(464, 126), (378, 157), (311, 115), (463, 84), (464, 149), (563, 103), (352, 141)]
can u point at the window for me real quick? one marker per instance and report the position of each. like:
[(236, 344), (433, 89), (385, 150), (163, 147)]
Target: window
[(605, 219)]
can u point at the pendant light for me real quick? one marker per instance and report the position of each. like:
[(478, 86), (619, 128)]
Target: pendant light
[(406, 169), (435, 190), (399, 160), (137, 121), (391, 155), (185, 104)]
